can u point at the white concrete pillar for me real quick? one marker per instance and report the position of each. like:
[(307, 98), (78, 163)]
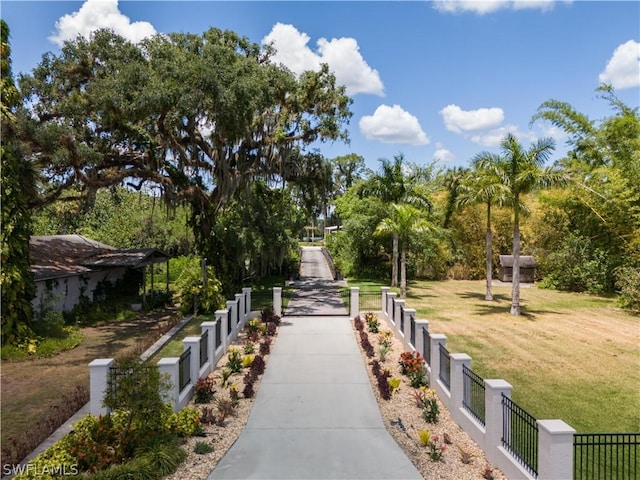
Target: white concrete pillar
[(493, 391), (241, 312), (221, 316), (419, 346), (277, 301), (383, 306), (436, 340), (169, 367), (210, 328), (233, 327), (98, 383), (555, 450), (246, 291), (194, 366), (354, 302), (409, 329), (391, 297), (399, 316), (456, 382)]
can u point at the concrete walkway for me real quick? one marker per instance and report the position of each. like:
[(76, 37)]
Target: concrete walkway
[(315, 415)]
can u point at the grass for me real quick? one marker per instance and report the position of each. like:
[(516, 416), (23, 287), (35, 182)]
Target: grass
[(570, 356), (173, 348)]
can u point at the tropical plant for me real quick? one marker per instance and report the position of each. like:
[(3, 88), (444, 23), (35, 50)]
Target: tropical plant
[(520, 171), (404, 222)]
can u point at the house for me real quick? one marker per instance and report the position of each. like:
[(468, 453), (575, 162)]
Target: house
[(527, 268), (69, 267)]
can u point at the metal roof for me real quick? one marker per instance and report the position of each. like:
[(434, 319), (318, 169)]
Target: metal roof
[(58, 256), (525, 261)]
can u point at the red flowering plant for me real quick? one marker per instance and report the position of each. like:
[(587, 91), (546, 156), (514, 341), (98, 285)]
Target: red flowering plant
[(204, 390), (412, 365)]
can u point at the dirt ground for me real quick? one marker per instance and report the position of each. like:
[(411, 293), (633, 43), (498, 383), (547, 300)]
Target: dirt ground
[(30, 389)]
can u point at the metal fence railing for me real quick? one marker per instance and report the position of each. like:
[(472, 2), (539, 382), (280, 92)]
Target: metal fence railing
[(520, 435), (473, 394), (229, 323), (445, 367), (218, 334), (412, 326), (204, 348), (426, 345), (402, 319), (614, 456), (184, 369), (369, 301)]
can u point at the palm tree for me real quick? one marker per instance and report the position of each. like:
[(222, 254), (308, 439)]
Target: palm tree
[(404, 222), (482, 186), (521, 171), (400, 185)]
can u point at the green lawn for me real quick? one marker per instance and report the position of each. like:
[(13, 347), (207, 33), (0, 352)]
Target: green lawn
[(570, 356)]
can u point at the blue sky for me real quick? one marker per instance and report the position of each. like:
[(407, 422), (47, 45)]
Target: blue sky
[(437, 81)]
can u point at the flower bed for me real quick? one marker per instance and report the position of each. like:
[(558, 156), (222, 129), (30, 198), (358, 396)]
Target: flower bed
[(411, 411)]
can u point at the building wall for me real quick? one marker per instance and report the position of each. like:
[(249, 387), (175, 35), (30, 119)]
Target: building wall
[(527, 274), (65, 293)]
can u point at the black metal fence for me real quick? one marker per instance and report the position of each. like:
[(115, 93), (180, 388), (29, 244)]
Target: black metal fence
[(412, 326), (445, 367), (204, 348), (614, 456), (218, 334), (229, 323), (426, 345), (184, 369), (369, 301), (520, 435), (473, 394)]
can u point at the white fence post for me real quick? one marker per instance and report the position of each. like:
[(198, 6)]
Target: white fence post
[(354, 302), (383, 305), (409, 329), (555, 450), (241, 312), (391, 296), (221, 316), (419, 346), (246, 291), (169, 367), (399, 316), (436, 340), (233, 331), (194, 367), (210, 328), (456, 382), (493, 391), (98, 384), (277, 301)]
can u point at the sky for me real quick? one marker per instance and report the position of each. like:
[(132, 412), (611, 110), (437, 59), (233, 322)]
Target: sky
[(436, 81)]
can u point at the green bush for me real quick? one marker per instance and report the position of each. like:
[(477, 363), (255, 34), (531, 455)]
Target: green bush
[(194, 296), (628, 283)]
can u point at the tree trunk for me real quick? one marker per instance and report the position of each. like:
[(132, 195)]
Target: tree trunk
[(394, 262), (403, 274), (515, 282), (489, 295)]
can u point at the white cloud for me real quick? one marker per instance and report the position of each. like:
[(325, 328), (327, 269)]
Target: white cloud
[(341, 54), (96, 14), (458, 120), (623, 69), (482, 7), (442, 154), (393, 125), (492, 138)]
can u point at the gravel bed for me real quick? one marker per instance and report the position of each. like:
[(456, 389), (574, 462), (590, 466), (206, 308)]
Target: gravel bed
[(400, 411)]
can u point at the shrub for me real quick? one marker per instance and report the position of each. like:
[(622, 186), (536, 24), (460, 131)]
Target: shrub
[(372, 322), (258, 365), (436, 448), (424, 436), (272, 329), (394, 383), (185, 423), (265, 347), (628, 283), (249, 348), (366, 344), (358, 323), (202, 448), (234, 360), (194, 296), (225, 408), (204, 390), (269, 316), (248, 391)]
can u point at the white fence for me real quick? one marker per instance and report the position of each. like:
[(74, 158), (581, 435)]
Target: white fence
[(554, 449), (200, 356)]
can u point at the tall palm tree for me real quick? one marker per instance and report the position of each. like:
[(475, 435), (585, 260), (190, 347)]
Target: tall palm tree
[(483, 186), (400, 184), (404, 222), (521, 171)]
